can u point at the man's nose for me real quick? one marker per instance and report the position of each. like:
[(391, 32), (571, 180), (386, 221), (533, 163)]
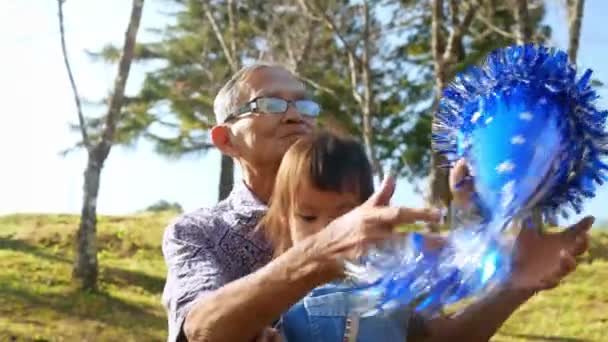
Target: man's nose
[(292, 115)]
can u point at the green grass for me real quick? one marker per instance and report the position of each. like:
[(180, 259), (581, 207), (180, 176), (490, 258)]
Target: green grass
[(39, 303), (576, 311)]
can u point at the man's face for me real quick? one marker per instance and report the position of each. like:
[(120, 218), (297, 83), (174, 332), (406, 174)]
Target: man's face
[(263, 138)]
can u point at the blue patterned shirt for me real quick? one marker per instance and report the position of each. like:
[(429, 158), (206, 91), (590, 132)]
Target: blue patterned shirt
[(209, 248)]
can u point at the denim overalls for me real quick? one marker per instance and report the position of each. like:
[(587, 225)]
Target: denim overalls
[(324, 316)]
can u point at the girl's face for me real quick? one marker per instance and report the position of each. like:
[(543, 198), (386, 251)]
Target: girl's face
[(313, 209)]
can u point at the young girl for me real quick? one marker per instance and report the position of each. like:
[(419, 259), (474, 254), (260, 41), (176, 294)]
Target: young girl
[(320, 178)]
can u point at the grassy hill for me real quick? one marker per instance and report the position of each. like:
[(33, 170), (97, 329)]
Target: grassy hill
[(38, 302)]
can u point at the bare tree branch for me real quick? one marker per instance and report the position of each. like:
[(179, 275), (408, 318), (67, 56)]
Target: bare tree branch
[(368, 96), (232, 25), (437, 177), (227, 165), (354, 63), (491, 9), (334, 28), (270, 34), (479, 36), (218, 35), (308, 43), (317, 85), (124, 65), (85, 269), (353, 79), (454, 12), (291, 55), (436, 46), (193, 146), (575, 19), (81, 122), (307, 10), (458, 32), (397, 28), (495, 29), (296, 57), (523, 32), (360, 73), (445, 55)]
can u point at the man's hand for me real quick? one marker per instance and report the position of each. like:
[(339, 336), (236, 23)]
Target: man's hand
[(350, 235), (542, 260), (269, 335), (461, 184)]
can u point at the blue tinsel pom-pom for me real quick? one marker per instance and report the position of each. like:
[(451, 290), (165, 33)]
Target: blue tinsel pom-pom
[(532, 138), (550, 156)]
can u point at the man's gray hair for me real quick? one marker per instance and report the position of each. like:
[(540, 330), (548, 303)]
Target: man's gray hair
[(227, 101)]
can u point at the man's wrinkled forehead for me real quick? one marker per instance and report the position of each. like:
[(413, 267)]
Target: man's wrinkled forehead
[(274, 81)]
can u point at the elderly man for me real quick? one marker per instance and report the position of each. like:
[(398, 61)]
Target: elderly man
[(221, 282)]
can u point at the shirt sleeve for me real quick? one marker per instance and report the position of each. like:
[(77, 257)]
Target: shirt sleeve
[(193, 270)]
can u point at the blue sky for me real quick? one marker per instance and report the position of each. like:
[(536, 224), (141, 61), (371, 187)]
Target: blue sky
[(38, 106)]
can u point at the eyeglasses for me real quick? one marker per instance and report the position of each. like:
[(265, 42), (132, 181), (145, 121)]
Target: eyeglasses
[(275, 105)]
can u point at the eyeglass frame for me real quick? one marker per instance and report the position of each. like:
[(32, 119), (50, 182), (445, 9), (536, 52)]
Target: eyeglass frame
[(252, 107)]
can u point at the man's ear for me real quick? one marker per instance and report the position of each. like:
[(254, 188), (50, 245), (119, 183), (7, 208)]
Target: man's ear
[(220, 136)]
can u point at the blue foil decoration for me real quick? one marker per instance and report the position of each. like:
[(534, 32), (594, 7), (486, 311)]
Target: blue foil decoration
[(533, 139), (529, 130)]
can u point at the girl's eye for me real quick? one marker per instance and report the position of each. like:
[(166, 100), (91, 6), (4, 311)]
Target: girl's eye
[(308, 218)]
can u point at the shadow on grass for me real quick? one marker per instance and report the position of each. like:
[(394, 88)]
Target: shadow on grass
[(96, 306), (113, 275), (39, 294), (598, 248), (25, 247), (121, 277), (542, 338)]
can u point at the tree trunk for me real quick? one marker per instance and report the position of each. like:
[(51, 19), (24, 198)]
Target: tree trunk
[(229, 50), (85, 263), (523, 33), (446, 53), (368, 96), (438, 177), (368, 140), (226, 177), (575, 18)]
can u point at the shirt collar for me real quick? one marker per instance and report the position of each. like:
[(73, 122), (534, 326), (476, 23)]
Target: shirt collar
[(243, 197)]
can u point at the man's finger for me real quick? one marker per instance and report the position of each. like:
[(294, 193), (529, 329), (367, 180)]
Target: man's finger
[(548, 284), (384, 194), (458, 174), (269, 335), (581, 244), (567, 264), (581, 227), (275, 336), (461, 184), (392, 216)]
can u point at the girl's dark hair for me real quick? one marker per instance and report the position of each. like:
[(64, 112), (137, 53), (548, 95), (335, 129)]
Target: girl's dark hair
[(331, 162)]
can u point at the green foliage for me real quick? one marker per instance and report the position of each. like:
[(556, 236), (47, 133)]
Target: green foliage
[(163, 205), (176, 99), (174, 106), (405, 142)]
